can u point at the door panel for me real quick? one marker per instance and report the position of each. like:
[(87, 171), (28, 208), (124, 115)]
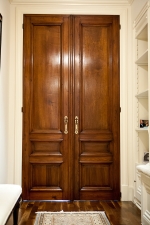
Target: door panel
[(71, 68), (46, 71), (95, 90), (97, 107)]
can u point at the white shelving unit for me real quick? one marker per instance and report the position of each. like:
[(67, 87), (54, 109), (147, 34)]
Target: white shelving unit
[(142, 112), (141, 95)]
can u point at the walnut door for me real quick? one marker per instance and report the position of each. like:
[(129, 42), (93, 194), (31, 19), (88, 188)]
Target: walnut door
[(96, 104), (71, 107)]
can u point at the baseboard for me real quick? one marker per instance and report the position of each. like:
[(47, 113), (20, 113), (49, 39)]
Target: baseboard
[(137, 203), (127, 193), (146, 218)]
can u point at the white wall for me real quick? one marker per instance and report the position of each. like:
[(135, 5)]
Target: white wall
[(4, 89)]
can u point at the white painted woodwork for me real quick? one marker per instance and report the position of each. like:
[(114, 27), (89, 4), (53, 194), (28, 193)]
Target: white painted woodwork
[(77, 2), (144, 171), (142, 104)]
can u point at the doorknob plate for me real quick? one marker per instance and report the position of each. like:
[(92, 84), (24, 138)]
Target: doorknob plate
[(76, 124), (66, 122)]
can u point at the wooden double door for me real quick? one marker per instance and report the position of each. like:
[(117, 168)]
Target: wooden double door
[(71, 107)]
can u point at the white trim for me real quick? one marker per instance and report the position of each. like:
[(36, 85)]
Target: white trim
[(146, 217), (137, 203), (130, 1), (77, 2), (127, 193)]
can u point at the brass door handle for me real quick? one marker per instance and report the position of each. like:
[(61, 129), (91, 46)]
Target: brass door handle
[(65, 123), (76, 124)]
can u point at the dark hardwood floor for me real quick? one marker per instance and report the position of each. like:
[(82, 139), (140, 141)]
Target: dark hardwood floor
[(118, 213)]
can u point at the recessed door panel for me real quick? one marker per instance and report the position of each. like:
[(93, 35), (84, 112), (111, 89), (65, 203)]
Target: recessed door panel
[(47, 77), (100, 180), (94, 76)]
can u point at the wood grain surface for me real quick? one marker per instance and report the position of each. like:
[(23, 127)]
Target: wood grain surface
[(118, 213)]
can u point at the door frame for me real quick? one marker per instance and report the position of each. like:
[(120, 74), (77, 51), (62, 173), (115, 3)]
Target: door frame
[(15, 87)]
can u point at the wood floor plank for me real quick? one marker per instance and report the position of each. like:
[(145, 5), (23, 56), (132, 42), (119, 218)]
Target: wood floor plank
[(65, 206), (52, 206), (70, 206), (25, 217), (124, 215), (96, 206), (76, 204), (32, 215)]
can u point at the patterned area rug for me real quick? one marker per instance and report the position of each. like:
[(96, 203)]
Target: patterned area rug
[(71, 218)]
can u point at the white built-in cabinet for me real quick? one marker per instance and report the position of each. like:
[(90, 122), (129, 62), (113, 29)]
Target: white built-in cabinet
[(142, 110), (141, 90)]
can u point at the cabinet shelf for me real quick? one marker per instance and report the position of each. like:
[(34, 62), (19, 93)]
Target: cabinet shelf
[(143, 34), (143, 94), (143, 59), (138, 129)]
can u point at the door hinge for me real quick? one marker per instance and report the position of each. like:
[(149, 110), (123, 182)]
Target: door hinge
[(120, 26), (120, 194), (22, 109), (22, 26), (120, 109)]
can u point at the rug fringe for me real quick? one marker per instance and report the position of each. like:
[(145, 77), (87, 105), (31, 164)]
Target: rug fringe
[(71, 212)]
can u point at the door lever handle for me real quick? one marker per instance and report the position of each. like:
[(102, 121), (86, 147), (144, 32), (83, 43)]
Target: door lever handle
[(76, 124), (65, 123)]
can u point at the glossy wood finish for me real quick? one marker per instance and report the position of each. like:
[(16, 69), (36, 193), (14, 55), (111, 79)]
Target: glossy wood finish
[(46, 91), (97, 146), (71, 68), (118, 213)]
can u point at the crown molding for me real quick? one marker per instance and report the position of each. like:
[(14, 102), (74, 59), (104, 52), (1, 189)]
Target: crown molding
[(140, 18), (130, 1), (72, 2)]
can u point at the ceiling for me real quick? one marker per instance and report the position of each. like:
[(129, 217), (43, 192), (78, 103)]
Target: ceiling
[(74, 2)]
